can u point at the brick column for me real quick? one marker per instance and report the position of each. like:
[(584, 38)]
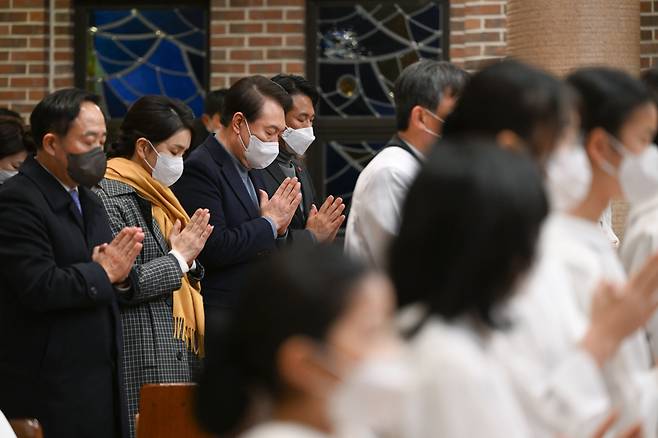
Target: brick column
[(648, 33), (560, 35), (256, 37), (477, 32)]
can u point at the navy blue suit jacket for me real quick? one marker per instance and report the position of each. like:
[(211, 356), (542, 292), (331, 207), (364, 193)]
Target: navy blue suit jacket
[(241, 235), (60, 342)]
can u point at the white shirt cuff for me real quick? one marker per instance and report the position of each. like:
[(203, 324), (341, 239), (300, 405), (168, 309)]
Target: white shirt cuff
[(182, 262)]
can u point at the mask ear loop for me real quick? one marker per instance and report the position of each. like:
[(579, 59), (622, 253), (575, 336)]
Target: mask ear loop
[(429, 131), (154, 150), (248, 130), (620, 149)]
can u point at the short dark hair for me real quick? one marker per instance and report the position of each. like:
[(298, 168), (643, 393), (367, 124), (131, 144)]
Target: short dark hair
[(300, 292), (469, 229), (424, 83), (14, 137), (247, 96), (155, 118), (55, 113), (6, 112), (215, 102), (511, 96), (607, 97), (295, 84)]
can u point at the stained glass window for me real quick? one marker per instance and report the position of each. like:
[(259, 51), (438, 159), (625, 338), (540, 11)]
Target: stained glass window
[(346, 161), (360, 48), (133, 52)]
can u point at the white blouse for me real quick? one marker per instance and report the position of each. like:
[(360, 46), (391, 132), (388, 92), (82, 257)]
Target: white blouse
[(588, 259), (281, 429), (463, 390), (640, 242), (5, 429)]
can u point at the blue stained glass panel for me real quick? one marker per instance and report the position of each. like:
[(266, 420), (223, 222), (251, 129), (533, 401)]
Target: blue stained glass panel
[(133, 26), (102, 18), (114, 103), (195, 17), (166, 21), (193, 40), (138, 48), (143, 79), (135, 52), (179, 87), (109, 52), (344, 162), (167, 56), (120, 90)]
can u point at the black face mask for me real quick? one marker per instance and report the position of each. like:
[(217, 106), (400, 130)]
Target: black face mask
[(87, 169)]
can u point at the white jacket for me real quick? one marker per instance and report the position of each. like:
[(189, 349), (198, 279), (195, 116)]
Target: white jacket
[(560, 386), (588, 258), (463, 390), (5, 429), (640, 242), (281, 429), (376, 209)]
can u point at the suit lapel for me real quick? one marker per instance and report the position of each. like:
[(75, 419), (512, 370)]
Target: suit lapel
[(274, 173), (308, 192), (146, 209), (93, 212), (58, 198), (227, 167)]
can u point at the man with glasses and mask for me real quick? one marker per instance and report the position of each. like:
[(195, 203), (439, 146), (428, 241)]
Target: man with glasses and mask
[(312, 222), (425, 94), (61, 277)]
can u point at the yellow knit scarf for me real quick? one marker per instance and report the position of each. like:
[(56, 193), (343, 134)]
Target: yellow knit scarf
[(189, 322)]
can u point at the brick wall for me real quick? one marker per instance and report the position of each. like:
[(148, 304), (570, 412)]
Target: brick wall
[(648, 33), (247, 37), (24, 46), (477, 32), (256, 37)]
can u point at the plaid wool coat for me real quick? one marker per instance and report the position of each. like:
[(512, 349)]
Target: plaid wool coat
[(151, 354)]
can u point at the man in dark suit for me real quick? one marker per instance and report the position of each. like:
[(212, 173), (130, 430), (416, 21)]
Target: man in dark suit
[(61, 273), (310, 224), (219, 176), (208, 123)]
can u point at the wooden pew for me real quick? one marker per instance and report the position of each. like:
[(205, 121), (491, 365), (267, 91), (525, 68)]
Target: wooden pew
[(26, 428), (166, 410)]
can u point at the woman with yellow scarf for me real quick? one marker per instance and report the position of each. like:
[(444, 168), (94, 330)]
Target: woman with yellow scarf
[(162, 315)]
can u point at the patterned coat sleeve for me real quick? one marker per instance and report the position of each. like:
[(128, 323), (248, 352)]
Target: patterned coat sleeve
[(158, 276)]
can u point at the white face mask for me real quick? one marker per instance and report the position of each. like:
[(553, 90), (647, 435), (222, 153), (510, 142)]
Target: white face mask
[(259, 153), (167, 169), (569, 177), (298, 139), (6, 174), (638, 174), (375, 399)]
